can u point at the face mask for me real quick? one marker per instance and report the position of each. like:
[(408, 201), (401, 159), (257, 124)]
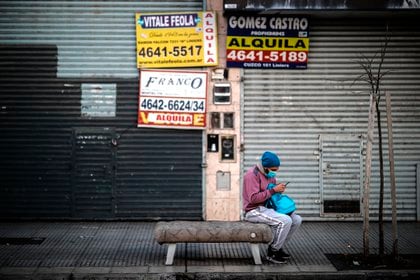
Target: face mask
[(271, 174)]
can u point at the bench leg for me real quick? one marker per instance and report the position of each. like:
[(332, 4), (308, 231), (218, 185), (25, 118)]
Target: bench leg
[(171, 253), (256, 253)]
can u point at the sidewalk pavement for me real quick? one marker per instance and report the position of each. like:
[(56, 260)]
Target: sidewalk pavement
[(127, 250)]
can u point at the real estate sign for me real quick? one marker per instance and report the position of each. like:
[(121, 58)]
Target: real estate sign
[(172, 99), (267, 41), (171, 40)]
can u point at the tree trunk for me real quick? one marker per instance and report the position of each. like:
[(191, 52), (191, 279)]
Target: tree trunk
[(381, 186), (366, 184), (392, 177)]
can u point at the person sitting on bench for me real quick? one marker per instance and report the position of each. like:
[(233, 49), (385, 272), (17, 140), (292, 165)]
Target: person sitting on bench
[(255, 195)]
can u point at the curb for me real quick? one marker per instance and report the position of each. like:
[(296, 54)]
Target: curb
[(345, 275)]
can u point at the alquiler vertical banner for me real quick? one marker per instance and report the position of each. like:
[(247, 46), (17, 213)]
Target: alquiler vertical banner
[(267, 41)]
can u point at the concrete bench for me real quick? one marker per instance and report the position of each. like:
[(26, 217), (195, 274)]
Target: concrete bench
[(175, 232)]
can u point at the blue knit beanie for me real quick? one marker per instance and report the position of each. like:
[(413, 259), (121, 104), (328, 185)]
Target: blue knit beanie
[(270, 159)]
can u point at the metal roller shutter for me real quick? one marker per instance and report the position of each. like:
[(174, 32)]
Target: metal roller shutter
[(295, 112), (58, 160), (94, 38)]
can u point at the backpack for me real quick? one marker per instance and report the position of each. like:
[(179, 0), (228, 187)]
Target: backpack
[(280, 202)]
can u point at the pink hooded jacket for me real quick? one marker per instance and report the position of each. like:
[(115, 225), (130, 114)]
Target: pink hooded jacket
[(254, 192)]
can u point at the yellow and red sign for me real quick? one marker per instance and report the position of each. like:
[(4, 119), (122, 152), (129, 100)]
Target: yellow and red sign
[(267, 41), (172, 99), (173, 40)]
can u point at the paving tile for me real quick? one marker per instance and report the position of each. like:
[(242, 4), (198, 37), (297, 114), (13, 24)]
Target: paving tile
[(243, 268), (92, 270), (167, 269), (54, 270), (130, 269), (17, 270), (128, 248), (205, 269), (279, 268), (317, 268)]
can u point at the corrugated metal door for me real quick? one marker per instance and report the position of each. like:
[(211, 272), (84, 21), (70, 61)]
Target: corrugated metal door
[(59, 61), (93, 173), (159, 174), (341, 173), (287, 110), (94, 38)]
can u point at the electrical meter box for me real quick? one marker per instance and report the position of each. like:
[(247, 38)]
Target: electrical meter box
[(221, 93), (227, 143), (213, 143)]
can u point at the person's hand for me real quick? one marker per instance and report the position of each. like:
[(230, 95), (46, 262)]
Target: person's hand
[(280, 188)]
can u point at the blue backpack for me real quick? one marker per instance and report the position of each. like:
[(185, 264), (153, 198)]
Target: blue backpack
[(280, 202)]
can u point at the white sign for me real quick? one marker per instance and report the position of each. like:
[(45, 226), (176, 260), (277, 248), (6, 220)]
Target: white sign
[(172, 99)]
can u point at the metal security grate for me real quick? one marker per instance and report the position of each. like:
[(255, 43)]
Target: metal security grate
[(342, 206)]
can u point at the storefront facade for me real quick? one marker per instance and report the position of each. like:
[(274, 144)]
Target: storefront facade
[(71, 145), (316, 118)]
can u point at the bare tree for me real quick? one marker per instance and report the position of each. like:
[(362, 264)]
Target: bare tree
[(373, 74)]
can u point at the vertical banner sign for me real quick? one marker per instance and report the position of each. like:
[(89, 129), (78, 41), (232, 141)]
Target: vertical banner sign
[(258, 41), (172, 99), (176, 40)]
